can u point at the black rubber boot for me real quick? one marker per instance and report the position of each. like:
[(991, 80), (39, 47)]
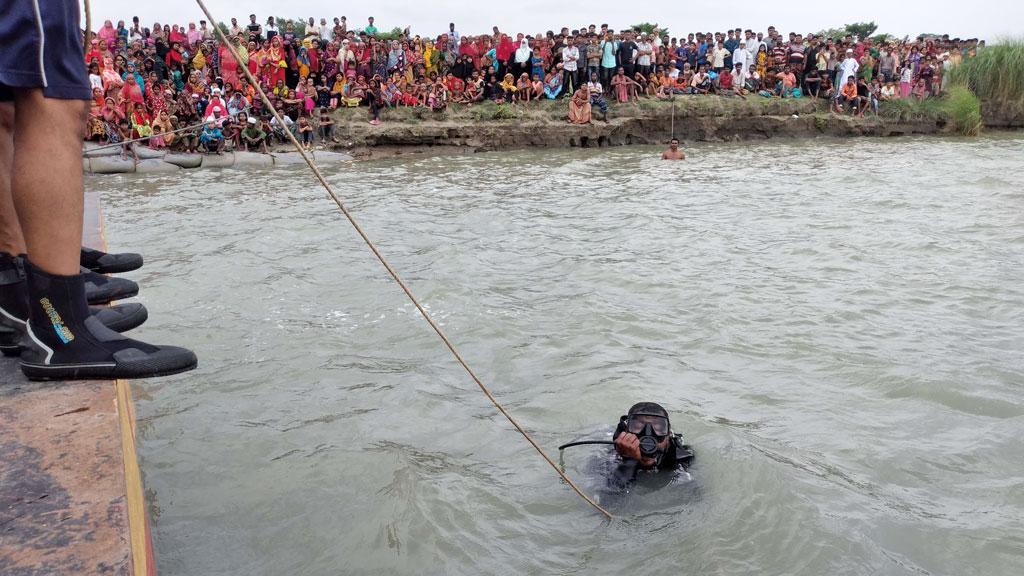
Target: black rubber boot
[(14, 308), (65, 342), (100, 289), (13, 304), (105, 263)]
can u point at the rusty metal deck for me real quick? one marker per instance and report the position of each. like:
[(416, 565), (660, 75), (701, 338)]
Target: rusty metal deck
[(71, 499)]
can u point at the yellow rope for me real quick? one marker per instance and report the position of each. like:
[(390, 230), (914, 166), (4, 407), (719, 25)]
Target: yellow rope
[(391, 271)]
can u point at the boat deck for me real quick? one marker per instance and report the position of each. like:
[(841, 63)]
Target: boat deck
[(71, 499)]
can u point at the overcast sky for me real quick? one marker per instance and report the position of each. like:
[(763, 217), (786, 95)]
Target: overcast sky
[(977, 18)]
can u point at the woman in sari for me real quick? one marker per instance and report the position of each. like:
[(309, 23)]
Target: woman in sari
[(111, 79), (252, 54), (506, 91), (131, 93), (130, 71), (229, 66), (524, 88), (429, 57), (303, 61), (162, 135), (553, 84), (379, 61), (272, 63), (112, 115), (396, 58), (329, 62), (94, 128), (579, 106), (139, 120), (412, 60), (338, 91)]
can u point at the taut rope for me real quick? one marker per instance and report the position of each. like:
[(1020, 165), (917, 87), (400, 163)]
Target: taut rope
[(391, 271)]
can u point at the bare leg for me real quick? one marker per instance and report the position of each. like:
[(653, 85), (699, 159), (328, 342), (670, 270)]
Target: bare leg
[(11, 240), (47, 179)]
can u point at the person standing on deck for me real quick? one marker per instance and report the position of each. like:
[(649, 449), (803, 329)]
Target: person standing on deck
[(43, 94)]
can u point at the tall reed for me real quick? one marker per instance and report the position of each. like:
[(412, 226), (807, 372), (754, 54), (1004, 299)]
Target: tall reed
[(995, 74)]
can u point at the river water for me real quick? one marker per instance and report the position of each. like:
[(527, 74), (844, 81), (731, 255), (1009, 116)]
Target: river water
[(837, 327)]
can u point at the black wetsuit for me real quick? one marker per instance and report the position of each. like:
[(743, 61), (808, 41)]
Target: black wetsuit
[(620, 475)]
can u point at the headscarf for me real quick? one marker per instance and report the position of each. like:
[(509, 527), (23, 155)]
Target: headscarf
[(131, 91), (509, 83), (523, 53)]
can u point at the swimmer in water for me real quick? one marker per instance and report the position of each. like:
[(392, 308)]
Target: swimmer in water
[(645, 450), (673, 152)]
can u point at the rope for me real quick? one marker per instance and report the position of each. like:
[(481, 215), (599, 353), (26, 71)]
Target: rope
[(141, 138), (88, 28), (393, 273)]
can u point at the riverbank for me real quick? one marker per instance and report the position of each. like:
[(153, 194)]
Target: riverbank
[(488, 127)]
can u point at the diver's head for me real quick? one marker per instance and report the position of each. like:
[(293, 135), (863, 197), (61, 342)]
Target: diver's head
[(648, 422)]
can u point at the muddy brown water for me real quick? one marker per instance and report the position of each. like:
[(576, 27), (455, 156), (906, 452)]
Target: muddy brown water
[(836, 326)]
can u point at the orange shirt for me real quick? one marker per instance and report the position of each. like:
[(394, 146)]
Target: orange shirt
[(849, 90)]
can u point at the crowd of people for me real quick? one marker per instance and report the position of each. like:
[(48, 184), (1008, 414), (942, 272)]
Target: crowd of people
[(180, 87)]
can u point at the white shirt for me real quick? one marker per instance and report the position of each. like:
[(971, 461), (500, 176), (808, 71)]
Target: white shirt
[(742, 56), (850, 67), (739, 78), (96, 81), (644, 50), (326, 32), (570, 54)]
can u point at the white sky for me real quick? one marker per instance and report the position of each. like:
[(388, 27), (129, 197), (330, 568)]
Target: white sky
[(987, 19)]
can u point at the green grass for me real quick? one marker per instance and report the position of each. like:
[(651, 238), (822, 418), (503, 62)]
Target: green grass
[(995, 74), (964, 110), (959, 108)]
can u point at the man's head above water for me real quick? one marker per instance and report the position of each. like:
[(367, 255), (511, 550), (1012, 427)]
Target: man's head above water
[(643, 434)]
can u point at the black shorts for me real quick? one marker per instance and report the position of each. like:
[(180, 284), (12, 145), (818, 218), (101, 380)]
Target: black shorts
[(42, 48)]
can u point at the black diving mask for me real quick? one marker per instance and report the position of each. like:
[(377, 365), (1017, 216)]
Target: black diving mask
[(650, 430)]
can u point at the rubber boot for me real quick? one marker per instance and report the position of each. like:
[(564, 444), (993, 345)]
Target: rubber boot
[(105, 263), (65, 342), (100, 289), (13, 304), (14, 307)]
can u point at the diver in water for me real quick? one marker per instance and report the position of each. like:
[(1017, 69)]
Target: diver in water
[(645, 442), (646, 451)]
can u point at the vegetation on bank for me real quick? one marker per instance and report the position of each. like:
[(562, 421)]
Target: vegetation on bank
[(995, 74), (958, 107)]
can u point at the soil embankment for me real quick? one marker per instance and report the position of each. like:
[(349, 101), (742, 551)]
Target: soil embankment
[(487, 127)]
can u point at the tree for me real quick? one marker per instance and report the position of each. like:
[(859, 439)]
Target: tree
[(396, 33), (300, 25), (647, 28), (862, 29)]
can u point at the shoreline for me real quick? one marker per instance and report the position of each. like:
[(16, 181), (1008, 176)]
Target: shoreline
[(488, 127)]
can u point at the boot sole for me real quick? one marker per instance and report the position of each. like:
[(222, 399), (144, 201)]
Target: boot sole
[(102, 371)]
